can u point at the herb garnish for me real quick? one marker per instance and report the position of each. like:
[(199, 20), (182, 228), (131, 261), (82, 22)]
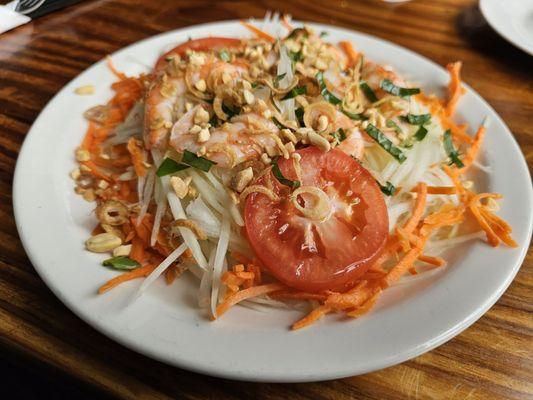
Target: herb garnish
[(339, 135), (420, 119), (385, 143), (326, 94), (391, 124), (388, 189), (323, 34), (369, 93), (450, 150), (391, 88), (277, 123), (354, 116), (121, 262), (420, 133), (279, 78), (298, 90), (169, 166), (300, 115), (279, 176), (201, 163), (230, 111)]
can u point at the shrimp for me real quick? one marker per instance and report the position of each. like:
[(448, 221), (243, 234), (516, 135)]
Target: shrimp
[(165, 99), (242, 139), (354, 144)]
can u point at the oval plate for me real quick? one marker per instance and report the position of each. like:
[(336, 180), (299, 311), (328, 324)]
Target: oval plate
[(166, 323)]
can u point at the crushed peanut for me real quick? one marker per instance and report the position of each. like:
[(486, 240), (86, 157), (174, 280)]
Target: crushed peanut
[(85, 90), (242, 179), (102, 243), (82, 155), (180, 186), (122, 251)]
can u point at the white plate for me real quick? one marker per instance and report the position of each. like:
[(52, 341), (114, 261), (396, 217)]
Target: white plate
[(513, 19), (166, 324)]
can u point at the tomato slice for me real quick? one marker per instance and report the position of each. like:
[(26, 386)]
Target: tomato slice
[(203, 44), (315, 255)]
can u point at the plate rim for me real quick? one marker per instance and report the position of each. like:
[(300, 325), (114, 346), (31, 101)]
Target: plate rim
[(483, 6), (206, 368)]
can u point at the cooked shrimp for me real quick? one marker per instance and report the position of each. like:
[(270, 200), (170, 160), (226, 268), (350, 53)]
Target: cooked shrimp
[(163, 99), (354, 144), (242, 139)]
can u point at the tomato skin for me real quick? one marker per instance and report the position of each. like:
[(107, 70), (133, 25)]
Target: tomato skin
[(344, 246), (203, 44)]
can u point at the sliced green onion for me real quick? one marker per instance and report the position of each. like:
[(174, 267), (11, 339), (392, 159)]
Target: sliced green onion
[(298, 90), (388, 189), (450, 150), (420, 119), (326, 94), (421, 133), (391, 88), (201, 163), (385, 143), (300, 115), (279, 176), (369, 93), (224, 56), (121, 262), (391, 124), (339, 134), (354, 116), (169, 166)]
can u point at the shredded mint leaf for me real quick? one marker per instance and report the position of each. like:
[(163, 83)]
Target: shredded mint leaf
[(354, 116), (201, 163), (300, 115), (391, 124), (420, 119), (279, 176), (339, 135), (278, 124), (369, 93), (421, 133), (388, 189), (121, 262), (450, 150), (279, 78), (298, 90), (326, 94), (169, 166), (295, 56), (385, 143), (391, 88)]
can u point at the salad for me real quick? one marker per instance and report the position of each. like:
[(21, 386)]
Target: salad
[(282, 171)]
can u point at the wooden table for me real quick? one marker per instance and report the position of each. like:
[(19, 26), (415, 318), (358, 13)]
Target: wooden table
[(490, 360)]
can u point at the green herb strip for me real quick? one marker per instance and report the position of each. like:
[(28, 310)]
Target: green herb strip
[(339, 134), (354, 116), (121, 262), (298, 90), (295, 56), (300, 115), (388, 189), (279, 176), (224, 56), (169, 166), (201, 163), (369, 93), (278, 124), (385, 143), (391, 124), (279, 78), (391, 88), (326, 94), (450, 150), (230, 111), (421, 133), (420, 119)]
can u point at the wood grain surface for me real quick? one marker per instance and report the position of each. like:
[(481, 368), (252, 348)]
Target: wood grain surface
[(490, 360)]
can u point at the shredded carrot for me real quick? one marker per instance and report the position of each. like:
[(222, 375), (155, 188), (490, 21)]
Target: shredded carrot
[(418, 210), (138, 156), (446, 190), (111, 66), (455, 90), (241, 258), (311, 318), (96, 171), (473, 150), (295, 295), (401, 267), (500, 227), (459, 132), (247, 294), (350, 52), (140, 272), (258, 32), (365, 307), (352, 298), (437, 261), (137, 250)]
